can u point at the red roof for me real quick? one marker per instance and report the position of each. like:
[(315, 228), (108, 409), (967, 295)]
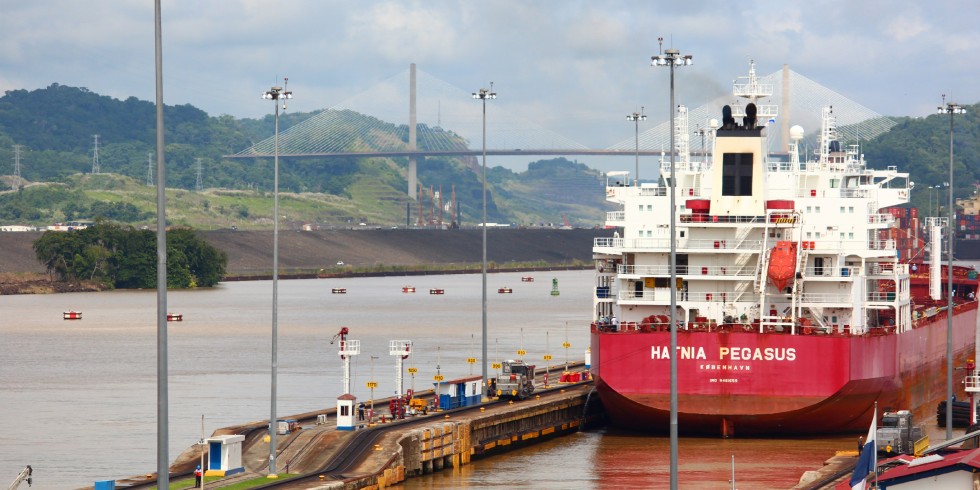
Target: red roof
[(966, 460)]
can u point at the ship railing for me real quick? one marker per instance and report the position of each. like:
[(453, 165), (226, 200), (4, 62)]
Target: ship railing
[(713, 218), (654, 270), (682, 192), (848, 271), (615, 216), (607, 242), (854, 193), (881, 218), (880, 296), (971, 383), (779, 166), (663, 294), (881, 244), (662, 243), (825, 298), (644, 295)]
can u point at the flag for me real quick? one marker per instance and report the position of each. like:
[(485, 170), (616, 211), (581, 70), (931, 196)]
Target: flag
[(869, 456)]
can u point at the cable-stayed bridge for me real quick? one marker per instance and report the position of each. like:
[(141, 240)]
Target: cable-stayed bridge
[(377, 123)]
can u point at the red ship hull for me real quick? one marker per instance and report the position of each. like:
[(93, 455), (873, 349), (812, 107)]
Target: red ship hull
[(751, 384)]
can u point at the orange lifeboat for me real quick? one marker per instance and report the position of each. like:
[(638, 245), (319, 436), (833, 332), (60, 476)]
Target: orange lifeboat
[(782, 264)]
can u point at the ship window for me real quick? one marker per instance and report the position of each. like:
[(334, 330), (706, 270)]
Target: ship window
[(736, 174), (842, 236), (649, 207), (809, 209), (834, 183), (809, 235), (682, 233), (842, 210), (850, 235), (850, 209), (641, 208), (816, 209)]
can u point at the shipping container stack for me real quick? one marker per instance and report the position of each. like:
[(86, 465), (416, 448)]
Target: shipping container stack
[(907, 235)]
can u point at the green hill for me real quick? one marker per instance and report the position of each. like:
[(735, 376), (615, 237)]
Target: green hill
[(56, 126)]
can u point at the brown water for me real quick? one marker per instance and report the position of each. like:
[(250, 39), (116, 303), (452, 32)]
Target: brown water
[(78, 398), (613, 459)]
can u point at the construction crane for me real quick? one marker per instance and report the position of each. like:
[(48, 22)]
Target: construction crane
[(25, 475), (567, 225)]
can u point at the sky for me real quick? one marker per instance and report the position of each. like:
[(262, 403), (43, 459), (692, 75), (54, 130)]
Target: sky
[(572, 66)]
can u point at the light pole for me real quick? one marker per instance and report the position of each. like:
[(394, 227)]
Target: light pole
[(671, 58), (483, 95), (636, 117), (952, 109), (163, 396), (275, 94)]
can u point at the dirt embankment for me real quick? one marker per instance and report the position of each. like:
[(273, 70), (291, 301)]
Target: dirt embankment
[(250, 252), (311, 250)]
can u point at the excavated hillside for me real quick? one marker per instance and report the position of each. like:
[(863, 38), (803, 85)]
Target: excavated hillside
[(250, 252)]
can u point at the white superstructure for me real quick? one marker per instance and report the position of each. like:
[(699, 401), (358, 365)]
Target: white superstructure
[(733, 209)]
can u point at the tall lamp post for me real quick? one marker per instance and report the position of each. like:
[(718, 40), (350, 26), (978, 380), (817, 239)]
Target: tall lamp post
[(636, 117), (275, 94), (672, 58), (483, 95), (163, 397), (952, 109)]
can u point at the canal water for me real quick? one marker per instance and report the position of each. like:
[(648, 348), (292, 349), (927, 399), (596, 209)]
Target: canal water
[(78, 398)]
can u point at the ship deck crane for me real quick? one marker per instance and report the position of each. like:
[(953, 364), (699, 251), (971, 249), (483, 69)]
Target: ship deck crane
[(25, 475)]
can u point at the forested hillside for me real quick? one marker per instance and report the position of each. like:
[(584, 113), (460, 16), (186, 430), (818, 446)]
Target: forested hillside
[(920, 146), (55, 128)]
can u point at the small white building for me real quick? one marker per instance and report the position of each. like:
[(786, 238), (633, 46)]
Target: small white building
[(17, 228), (345, 412), (225, 455)]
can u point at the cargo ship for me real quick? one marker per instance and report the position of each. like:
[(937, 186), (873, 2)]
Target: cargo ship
[(800, 300), (967, 229)]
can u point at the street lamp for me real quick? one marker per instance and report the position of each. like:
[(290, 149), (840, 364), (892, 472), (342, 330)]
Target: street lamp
[(671, 58), (483, 95), (950, 108), (275, 94), (636, 117)]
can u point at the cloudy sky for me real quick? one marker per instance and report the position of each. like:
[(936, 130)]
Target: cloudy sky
[(574, 67)]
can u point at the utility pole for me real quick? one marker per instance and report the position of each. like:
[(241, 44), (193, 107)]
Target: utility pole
[(149, 168), (95, 156), (198, 184), (17, 166)]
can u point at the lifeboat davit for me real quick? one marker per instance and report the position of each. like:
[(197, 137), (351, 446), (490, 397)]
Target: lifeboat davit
[(782, 264)]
